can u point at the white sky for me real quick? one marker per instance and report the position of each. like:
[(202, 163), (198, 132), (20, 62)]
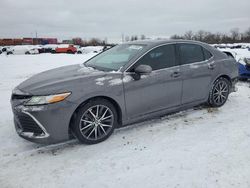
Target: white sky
[(111, 18)]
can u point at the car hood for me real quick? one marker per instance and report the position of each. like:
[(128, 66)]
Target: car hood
[(57, 80)]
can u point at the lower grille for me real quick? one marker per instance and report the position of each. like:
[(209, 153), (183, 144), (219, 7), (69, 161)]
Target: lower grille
[(27, 124), (19, 97)]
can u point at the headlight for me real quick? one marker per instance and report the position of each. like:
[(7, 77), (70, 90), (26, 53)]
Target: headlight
[(39, 100)]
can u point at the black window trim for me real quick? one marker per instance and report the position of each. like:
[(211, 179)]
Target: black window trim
[(198, 62), (176, 58), (203, 49)]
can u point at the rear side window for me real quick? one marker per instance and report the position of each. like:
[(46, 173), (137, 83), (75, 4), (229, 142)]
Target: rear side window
[(207, 54), (190, 53), (159, 58)]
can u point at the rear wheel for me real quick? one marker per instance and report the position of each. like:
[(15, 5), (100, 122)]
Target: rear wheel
[(95, 121), (219, 92)]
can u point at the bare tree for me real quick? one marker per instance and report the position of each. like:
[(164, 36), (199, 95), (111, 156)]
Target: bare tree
[(235, 34), (176, 37), (127, 38), (247, 35), (247, 32), (200, 35), (143, 37), (189, 35)]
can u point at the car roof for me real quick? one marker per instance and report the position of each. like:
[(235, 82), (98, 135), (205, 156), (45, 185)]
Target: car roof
[(164, 41)]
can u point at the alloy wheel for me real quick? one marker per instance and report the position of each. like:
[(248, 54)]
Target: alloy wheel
[(96, 122), (220, 93)]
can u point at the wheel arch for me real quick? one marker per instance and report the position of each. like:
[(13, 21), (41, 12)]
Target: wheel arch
[(111, 100), (224, 76), (212, 85)]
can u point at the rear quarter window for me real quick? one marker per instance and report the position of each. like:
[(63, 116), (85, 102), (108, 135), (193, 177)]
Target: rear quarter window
[(207, 54), (190, 53)]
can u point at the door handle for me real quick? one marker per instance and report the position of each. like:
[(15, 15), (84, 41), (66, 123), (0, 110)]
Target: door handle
[(175, 74), (211, 65)]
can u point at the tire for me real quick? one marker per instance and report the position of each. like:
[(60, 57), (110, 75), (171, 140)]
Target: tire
[(27, 53), (70, 52), (9, 53), (79, 52), (219, 92), (91, 130)]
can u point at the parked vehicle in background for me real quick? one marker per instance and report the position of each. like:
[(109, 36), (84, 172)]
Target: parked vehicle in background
[(243, 64), (50, 48), (5, 48), (244, 68), (19, 50), (90, 49), (129, 83), (64, 48)]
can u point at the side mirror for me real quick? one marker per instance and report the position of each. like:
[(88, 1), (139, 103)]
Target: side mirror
[(142, 70)]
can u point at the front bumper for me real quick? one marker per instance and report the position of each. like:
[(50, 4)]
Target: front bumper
[(45, 124)]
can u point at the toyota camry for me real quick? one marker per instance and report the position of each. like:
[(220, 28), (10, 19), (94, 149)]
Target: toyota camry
[(128, 83)]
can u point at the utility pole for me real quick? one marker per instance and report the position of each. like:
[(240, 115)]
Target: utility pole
[(36, 38)]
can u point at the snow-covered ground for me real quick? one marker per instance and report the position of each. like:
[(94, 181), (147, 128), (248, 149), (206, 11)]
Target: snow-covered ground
[(239, 54), (197, 148)]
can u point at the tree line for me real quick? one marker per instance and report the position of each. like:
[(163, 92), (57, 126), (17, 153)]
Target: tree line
[(234, 36)]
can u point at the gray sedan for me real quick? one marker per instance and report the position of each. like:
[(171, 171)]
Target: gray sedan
[(129, 83)]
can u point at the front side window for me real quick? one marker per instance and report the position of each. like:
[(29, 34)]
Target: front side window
[(190, 53), (115, 58), (158, 58)]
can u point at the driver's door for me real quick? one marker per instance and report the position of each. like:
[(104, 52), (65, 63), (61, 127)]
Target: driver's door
[(160, 89)]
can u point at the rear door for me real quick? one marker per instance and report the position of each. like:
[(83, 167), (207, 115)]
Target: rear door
[(197, 67), (159, 90)]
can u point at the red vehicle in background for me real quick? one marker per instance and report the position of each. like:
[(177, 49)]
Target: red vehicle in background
[(66, 48)]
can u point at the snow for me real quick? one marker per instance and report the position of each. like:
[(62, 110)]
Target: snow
[(119, 81), (90, 49), (84, 69), (100, 81), (240, 54), (200, 147)]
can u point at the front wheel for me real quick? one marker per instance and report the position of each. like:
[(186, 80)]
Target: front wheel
[(219, 92), (95, 121)]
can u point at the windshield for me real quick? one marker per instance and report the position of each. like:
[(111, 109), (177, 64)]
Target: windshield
[(115, 58)]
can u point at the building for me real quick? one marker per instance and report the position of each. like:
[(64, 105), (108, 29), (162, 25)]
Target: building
[(28, 41)]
